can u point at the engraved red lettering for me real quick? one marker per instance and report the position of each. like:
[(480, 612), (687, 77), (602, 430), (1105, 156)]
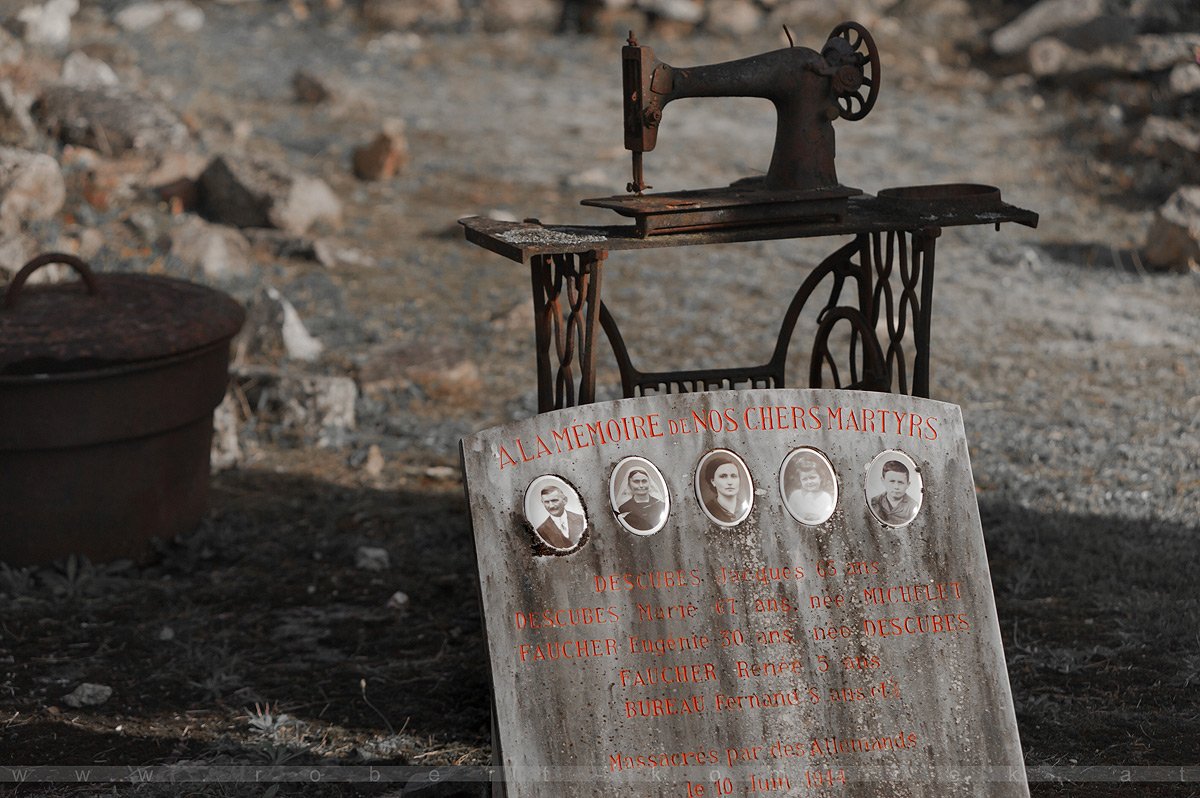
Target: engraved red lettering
[(560, 438), (505, 458), (594, 431), (524, 457), (914, 426), (579, 442), (653, 425), (639, 427)]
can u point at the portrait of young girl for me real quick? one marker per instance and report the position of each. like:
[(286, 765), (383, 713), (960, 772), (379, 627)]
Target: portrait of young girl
[(808, 485)]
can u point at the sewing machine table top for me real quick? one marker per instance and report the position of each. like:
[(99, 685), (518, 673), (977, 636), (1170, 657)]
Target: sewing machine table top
[(865, 213), (730, 206)]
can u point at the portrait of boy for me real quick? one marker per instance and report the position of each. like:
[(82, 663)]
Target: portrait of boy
[(895, 497)]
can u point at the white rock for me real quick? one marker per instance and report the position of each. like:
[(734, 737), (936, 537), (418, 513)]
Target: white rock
[(186, 16), (80, 69), (500, 15), (1044, 19), (596, 176), (398, 601), (1050, 56), (1185, 79), (112, 120), (217, 250), (31, 187), (1148, 53), (502, 215), (261, 192), (371, 558), (91, 241), (16, 123), (11, 50), (142, 16), (397, 43), (226, 450), (312, 404), (322, 404), (1168, 140), (297, 341), (331, 254), (312, 200), (166, 634), (734, 17), (49, 23), (88, 695), (1174, 239), (374, 463), (333, 399), (688, 11)]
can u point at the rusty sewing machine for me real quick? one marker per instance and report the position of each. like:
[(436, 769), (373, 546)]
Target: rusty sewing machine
[(809, 90), (880, 283)]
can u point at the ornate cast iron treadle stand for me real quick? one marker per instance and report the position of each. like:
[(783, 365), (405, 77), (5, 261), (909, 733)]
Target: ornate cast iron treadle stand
[(889, 263)]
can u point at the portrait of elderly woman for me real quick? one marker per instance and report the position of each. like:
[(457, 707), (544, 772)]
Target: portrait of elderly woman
[(808, 485), (639, 497), (723, 487)]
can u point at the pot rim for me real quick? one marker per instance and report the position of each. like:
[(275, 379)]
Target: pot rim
[(105, 372)]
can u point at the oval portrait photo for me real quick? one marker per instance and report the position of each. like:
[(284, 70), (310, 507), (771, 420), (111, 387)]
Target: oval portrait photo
[(894, 488), (808, 485), (555, 513), (723, 487), (639, 496)]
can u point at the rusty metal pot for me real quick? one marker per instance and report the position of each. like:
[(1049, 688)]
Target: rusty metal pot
[(107, 390)]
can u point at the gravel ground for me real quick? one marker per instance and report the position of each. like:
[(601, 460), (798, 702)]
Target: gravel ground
[(1078, 373)]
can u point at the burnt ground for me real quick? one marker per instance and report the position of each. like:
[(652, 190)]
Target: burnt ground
[(255, 640)]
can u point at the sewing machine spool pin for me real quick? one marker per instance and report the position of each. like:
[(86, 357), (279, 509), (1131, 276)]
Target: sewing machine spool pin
[(809, 90)]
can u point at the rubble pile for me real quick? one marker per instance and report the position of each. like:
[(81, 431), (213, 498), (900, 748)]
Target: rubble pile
[(93, 162), (665, 17), (1131, 69)]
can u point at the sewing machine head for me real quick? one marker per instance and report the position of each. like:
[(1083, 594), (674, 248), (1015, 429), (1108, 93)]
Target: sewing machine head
[(809, 90)]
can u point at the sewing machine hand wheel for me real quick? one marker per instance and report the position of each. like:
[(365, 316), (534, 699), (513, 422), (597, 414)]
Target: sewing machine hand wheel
[(850, 81)]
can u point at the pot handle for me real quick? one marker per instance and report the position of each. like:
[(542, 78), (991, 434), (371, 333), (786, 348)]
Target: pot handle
[(14, 288)]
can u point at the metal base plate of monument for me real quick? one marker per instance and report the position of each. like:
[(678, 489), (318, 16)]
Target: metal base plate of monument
[(732, 593)]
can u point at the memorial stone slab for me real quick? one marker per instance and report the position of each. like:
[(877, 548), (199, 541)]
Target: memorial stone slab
[(726, 594)]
